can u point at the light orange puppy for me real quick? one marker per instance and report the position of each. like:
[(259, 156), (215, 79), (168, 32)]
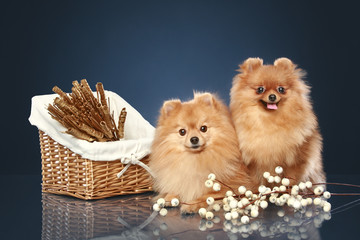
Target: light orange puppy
[(193, 139), (275, 122)]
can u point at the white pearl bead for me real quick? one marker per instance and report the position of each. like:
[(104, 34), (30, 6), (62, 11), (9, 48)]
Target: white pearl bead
[(211, 176), (248, 193), (327, 207), (254, 213), (229, 193), (228, 216), (264, 204), (271, 179), (318, 190), (277, 179), (209, 215), (285, 182), (175, 202), (294, 191), (317, 201), (216, 207), (282, 188), (296, 204), (327, 195), (226, 207), (245, 201), (308, 184), (210, 200), (242, 189), (239, 205), (163, 212), (279, 170), (245, 219), (156, 207), (202, 212), (272, 199), (234, 215), (209, 183), (302, 185), (233, 204), (309, 201), (266, 175), (216, 187), (161, 202), (304, 202), (262, 189)]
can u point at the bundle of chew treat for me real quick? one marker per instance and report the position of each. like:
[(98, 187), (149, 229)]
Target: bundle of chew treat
[(85, 116)]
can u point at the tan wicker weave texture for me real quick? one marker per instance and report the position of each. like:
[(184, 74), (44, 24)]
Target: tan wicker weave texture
[(66, 173)]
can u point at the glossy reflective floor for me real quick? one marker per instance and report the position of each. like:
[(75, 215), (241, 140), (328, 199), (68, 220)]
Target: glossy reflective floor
[(26, 213)]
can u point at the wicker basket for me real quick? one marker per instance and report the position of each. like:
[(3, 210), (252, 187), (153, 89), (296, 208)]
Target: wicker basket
[(67, 173)]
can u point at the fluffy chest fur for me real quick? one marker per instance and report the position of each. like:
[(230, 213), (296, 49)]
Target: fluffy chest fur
[(272, 138)]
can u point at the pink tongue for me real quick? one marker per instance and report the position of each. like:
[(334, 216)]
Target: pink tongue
[(272, 106)]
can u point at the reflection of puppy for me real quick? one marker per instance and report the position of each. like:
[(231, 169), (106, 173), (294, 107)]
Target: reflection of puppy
[(275, 122), (194, 139)]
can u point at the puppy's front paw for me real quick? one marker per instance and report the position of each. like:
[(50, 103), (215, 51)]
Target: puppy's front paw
[(192, 207)]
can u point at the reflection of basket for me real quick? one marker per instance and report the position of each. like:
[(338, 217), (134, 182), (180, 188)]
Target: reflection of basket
[(65, 172), (69, 218)]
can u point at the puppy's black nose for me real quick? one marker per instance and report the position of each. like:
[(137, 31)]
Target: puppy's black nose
[(194, 140), (272, 97)]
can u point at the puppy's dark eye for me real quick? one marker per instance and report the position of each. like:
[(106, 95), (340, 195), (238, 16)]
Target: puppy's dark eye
[(182, 132), (260, 90), (281, 90), (203, 128)]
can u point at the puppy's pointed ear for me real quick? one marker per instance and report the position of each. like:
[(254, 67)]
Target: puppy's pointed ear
[(170, 106), (250, 65), (284, 63), (206, 98)]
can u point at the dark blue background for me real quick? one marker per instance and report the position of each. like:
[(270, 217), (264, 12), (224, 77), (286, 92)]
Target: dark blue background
[(150, 51)]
